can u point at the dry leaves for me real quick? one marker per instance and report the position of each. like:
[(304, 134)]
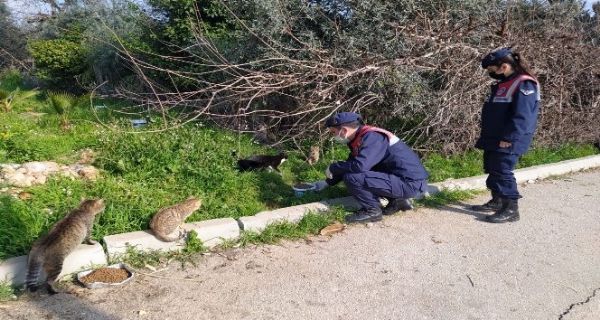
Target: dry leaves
[(332, 228)]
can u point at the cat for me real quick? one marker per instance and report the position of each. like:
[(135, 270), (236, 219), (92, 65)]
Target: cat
[(50, 251), (259, 162), (313, 156), (168, 220)]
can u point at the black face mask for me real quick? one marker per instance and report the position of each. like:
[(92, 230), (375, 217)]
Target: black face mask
[(496, 76)]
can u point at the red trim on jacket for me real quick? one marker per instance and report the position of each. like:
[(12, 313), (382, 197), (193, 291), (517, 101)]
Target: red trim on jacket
[(357, 141)]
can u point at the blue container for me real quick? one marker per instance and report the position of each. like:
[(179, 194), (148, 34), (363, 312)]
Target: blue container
[(300, 190)]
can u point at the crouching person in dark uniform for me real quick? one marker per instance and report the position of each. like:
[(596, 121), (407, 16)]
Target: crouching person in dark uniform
[(379, 165), (508, 122)]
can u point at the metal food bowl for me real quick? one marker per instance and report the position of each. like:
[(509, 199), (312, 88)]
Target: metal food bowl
[(96, 285)]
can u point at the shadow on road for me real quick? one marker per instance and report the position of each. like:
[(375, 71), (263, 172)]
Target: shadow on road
[(59, 306), (463, 208)]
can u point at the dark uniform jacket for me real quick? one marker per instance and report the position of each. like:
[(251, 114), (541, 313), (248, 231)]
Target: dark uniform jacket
[(375, 149), (510, 114)]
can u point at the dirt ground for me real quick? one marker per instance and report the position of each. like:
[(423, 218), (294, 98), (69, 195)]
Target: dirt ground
[(426, 264)]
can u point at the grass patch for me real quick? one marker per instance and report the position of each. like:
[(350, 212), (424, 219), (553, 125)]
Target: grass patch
[(141, 173), (24, 139), (445, 197), (471, 163), (538, 156), (10, 80), (309, 225), (149, 259), (139, 259), (193, 244), (442, 167), (7, 292)]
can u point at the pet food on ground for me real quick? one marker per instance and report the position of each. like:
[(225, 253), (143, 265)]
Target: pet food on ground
[(106, 275)]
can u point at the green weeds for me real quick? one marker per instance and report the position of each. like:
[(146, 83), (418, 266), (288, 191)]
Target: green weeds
[(309, 225), (7, 292), (471, 163), (445, 197)]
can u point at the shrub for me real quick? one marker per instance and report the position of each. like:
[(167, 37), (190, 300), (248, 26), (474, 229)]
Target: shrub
[(62, 103), (8, 98), (57, 60), (412, 64)]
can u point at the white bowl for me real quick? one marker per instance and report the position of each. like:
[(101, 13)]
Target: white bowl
[(96, 285)]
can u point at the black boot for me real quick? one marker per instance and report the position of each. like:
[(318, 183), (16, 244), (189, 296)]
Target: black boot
[(398, 204), (493, 205), (508, 213), (365, 215)]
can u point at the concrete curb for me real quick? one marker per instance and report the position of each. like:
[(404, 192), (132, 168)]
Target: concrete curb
[(214, 232), (521, 175), (14, 270), (211, 232), (116, 244), (261, 220)]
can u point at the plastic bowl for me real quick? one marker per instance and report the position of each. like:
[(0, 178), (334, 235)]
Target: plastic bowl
[(96, 285), (301, 188), (137, 123)]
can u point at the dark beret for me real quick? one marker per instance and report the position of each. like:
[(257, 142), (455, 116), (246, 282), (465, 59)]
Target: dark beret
[(342, 118), (492, 58)]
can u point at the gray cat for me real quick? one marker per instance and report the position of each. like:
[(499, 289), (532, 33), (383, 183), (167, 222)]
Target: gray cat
[(49, 252)]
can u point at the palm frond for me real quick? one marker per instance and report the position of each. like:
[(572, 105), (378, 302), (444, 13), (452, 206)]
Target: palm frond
[(28, 94), (61, 102), (4, 94)]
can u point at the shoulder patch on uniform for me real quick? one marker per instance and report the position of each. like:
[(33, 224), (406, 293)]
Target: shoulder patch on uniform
[(527, 91)]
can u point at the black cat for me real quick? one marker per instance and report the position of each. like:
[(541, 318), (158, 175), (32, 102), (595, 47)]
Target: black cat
[(260, 162)]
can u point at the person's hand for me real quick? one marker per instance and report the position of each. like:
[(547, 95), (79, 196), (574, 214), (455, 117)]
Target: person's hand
[(320, 185), (328, 173), (505, 144)]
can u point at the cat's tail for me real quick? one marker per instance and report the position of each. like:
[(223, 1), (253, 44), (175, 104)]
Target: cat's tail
[(174, 236), (34, 268)]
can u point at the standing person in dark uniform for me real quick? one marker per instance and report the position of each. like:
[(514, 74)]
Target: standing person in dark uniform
[(508, 122), (379, 165)]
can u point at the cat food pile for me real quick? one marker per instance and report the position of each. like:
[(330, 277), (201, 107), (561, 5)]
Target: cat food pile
[(106, 275)]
